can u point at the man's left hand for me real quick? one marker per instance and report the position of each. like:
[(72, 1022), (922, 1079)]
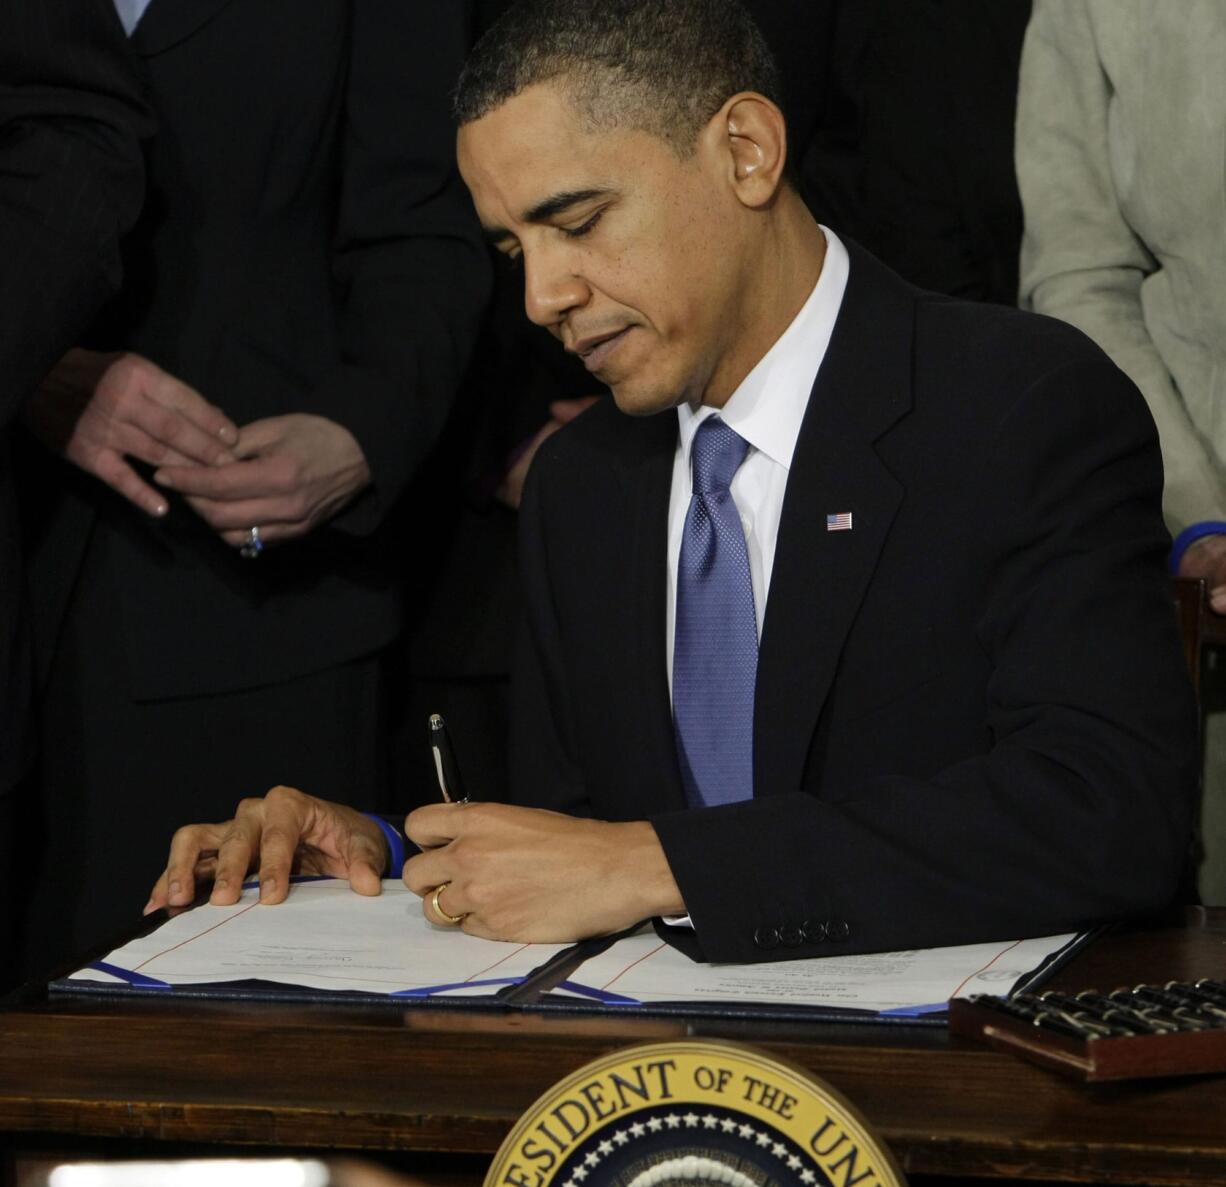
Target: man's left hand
[(533, 876), (294, 472)]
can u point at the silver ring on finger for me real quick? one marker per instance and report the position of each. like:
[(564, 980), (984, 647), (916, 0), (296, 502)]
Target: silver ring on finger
[(253, 545)]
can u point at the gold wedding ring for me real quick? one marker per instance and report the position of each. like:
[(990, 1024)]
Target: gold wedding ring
[(449, 920)]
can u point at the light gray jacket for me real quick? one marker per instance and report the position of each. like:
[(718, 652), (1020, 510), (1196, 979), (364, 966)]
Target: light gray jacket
[(1121, 160)]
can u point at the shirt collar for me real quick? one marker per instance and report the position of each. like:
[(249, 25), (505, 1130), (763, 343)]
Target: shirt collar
[(768, 407)]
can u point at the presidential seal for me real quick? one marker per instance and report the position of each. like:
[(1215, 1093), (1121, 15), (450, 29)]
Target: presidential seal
[(690, 1113)]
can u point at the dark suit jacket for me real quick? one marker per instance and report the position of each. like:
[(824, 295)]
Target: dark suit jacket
[(307, 246), (70, 183), (972, 718), (939, 101)]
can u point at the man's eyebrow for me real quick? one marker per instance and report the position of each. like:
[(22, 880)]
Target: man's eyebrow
[(549, 207), (559, 203)]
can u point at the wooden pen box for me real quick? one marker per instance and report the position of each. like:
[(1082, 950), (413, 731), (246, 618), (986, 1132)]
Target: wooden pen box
[(1173, 1029)]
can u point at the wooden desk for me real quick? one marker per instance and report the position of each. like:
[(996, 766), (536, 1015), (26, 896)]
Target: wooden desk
[(450, 1082)]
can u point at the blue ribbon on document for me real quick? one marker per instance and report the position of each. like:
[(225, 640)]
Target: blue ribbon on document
[(132, 978), (604, 996), (431, 990), (913, 1011)]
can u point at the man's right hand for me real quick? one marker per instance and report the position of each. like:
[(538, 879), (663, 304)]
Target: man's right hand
[(98, 410), (287, 832)]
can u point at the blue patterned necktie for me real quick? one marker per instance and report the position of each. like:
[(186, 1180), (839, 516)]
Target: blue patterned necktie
[(130, 13), (715, 644)]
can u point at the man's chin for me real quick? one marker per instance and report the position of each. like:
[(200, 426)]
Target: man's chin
[(635, 400)]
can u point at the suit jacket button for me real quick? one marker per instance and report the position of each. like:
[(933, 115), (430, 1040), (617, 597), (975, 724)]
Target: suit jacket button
[(766, 937), (837, 929), (815, 931), (791, 935)]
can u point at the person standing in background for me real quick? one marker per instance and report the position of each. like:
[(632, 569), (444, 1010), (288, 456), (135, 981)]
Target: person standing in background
[(212, 592), (71, 182), (1121, 137), (938, 197)]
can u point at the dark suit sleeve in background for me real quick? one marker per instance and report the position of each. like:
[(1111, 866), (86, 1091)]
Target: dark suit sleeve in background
[(940, 199), (409, 259), (71, 179)]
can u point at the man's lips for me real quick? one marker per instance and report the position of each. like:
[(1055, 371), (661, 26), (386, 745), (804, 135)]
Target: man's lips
[(596, 349)]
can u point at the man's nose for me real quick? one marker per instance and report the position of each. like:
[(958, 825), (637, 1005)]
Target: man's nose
[(551, 291)]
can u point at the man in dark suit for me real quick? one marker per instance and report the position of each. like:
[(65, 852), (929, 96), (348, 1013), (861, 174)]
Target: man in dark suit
[(304, 288), (894, 559), (70, 183)]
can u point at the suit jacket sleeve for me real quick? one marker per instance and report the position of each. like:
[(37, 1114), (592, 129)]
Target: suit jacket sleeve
[(71, 177), (409, 260), (1081, 261)]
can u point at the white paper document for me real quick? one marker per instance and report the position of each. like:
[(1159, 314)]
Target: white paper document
[(643, 970), (324, 936)]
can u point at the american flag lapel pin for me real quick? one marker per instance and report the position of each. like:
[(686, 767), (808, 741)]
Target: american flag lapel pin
[(839, 522)]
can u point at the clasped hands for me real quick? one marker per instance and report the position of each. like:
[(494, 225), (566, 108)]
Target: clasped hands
[(285, 474), (521, 874)]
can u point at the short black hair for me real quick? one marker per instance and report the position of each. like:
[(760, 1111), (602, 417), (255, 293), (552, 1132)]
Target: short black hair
[(665, 66)]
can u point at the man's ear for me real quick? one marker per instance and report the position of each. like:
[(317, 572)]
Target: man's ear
[(750, 133)]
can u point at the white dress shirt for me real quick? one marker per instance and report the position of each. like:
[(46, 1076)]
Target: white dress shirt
[(767, 410), (130, 13)]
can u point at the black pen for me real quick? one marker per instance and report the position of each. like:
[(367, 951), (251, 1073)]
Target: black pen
[(445, 765)]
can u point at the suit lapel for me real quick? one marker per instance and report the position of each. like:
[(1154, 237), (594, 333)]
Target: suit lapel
[(167, 22), (649, 479), (819, 577)]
